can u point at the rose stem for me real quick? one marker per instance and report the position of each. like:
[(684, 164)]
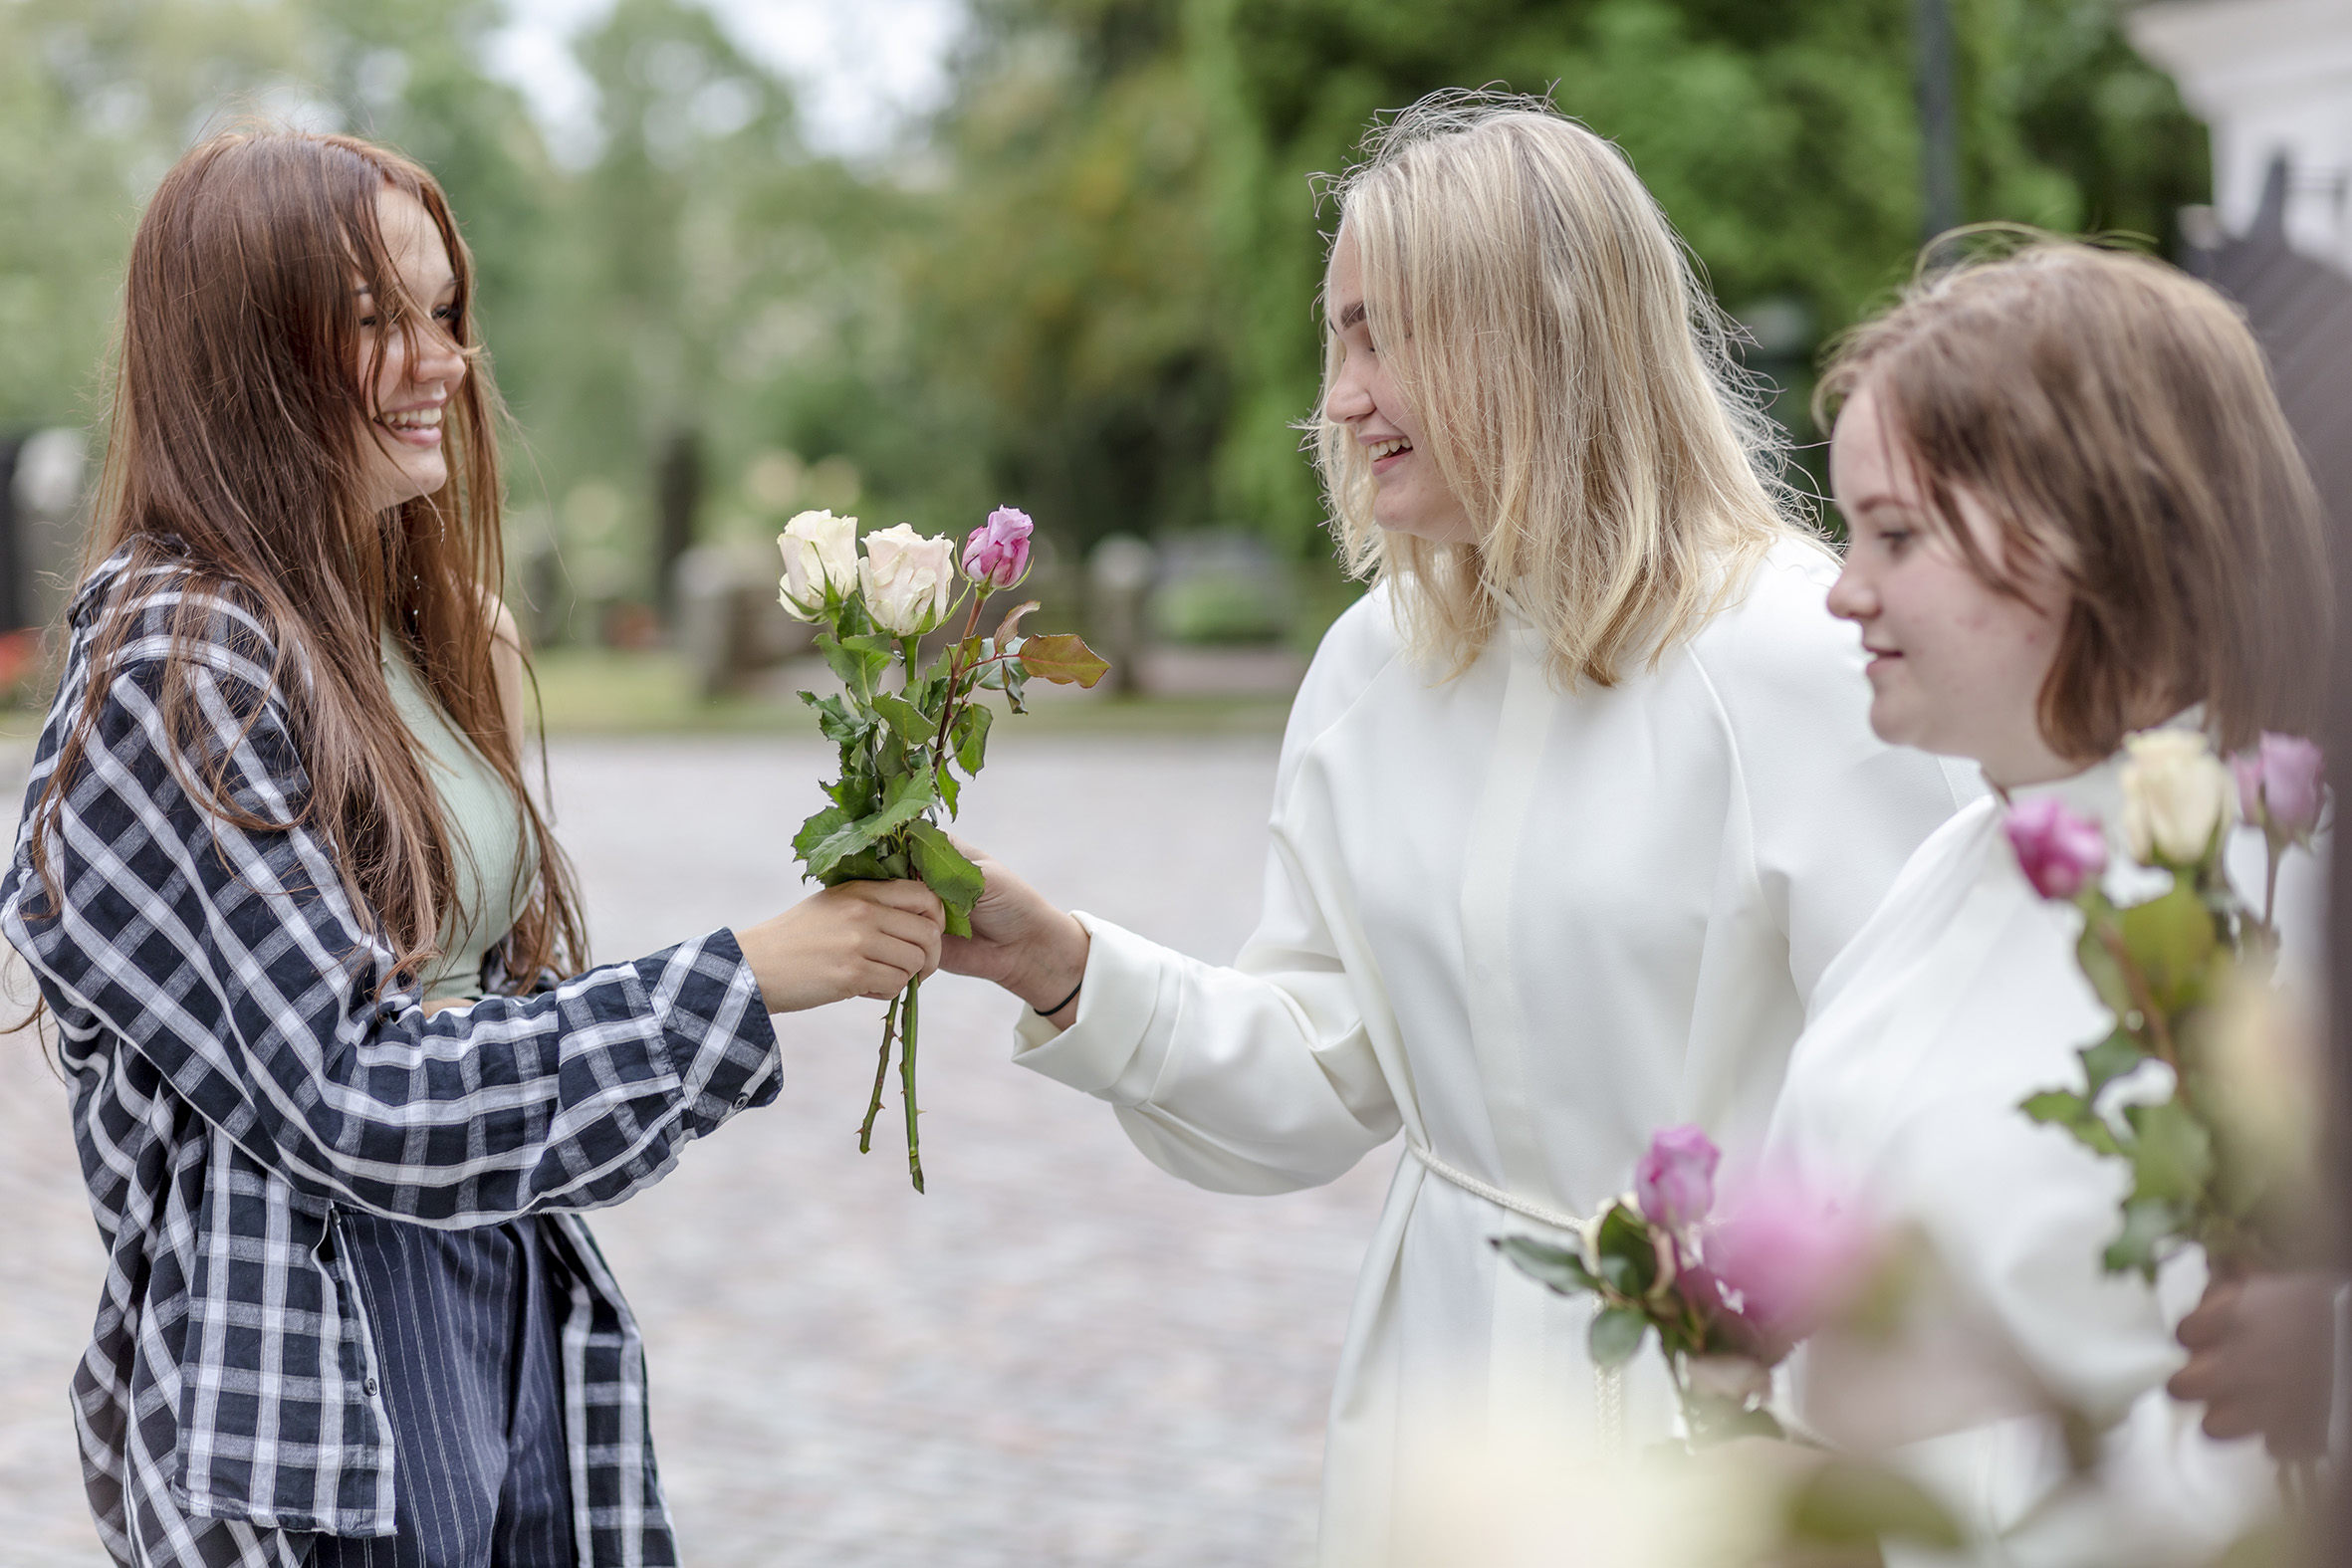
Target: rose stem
[(873, 1107), (907, 1080), (947, 707)]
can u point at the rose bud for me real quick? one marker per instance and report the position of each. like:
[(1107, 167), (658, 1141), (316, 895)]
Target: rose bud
[(1675, 1178), (996, 552), (1795, 1254), (2280, 786), (2060, 851)]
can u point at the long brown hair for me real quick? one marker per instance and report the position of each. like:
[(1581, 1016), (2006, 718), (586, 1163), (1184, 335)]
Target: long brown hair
[(2117, 420), (235, 457)]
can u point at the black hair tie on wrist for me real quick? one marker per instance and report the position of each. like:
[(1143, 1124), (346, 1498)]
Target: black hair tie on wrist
[(1046, 1012)]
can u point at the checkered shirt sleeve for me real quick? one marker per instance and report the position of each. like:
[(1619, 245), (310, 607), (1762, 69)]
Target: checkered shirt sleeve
[(237, 1078)]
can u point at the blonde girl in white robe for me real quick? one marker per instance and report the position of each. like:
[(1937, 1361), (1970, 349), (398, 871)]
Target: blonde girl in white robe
[(2076, 512), (1572, 811)]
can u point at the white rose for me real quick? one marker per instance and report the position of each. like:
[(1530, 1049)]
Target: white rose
[(910, 580), (820, 562), (2175, 795)]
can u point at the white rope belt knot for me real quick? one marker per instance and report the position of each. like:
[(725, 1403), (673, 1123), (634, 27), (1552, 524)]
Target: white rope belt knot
[(1540, 1213)]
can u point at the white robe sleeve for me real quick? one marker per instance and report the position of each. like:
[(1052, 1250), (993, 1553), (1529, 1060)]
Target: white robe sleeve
[(1255, 1078)]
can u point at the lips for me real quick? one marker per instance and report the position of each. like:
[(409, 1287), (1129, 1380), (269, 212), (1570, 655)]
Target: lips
[(1386, 454)]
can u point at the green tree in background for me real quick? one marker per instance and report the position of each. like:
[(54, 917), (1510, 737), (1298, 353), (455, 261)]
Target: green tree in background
[(1089, 288)]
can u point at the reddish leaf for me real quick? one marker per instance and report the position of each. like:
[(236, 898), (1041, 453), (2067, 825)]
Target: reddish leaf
[(1063, 659), (1010, 626)]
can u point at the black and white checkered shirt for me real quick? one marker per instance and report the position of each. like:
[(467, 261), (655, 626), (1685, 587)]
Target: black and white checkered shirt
[(237, 1085)]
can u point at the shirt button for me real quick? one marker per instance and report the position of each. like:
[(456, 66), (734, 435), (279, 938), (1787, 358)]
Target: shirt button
[(370, 1386), (742, 1100)]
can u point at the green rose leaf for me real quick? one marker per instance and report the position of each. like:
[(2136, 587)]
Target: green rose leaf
[(970, 739), (840, 725), (2114, 1057), (945, 871), (818, 830), (2147, 1223), (904, 718), (1617, 1335), (906, 800), (1063, 659), (2170, 941), (951, 791), (2173, 1156), (859, 661), (2064, 1108), (1627, 1256), (1558, 1268)]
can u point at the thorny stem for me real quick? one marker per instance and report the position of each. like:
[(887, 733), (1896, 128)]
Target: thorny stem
[(873, 1107), (955, 673), (906, 1081)]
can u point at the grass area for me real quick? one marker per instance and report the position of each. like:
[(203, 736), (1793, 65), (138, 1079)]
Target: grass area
[(601, 691)]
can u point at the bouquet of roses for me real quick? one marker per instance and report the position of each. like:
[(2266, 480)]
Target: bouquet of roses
[(2188, 975), (1729, 1294), (905, 726)]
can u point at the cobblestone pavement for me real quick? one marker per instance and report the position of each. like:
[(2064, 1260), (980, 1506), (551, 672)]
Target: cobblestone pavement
[(1058, 1356)]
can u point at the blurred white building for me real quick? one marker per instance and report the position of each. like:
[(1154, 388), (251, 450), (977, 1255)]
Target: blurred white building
[(2271, 77)]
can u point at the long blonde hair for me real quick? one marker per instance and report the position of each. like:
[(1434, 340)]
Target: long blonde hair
[(1575, 387)]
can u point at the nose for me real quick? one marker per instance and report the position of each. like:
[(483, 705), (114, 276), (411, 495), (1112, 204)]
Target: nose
[(1851, 597), (438, 357), (1349, 399)]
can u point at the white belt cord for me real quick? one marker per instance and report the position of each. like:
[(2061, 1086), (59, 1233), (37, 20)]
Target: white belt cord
[(1609, 1384), (1493, 1195)]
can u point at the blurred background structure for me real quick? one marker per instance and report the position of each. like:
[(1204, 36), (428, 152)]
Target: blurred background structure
[(913, 259)]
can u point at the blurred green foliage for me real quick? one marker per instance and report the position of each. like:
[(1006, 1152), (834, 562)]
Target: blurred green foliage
[(1089, 287)]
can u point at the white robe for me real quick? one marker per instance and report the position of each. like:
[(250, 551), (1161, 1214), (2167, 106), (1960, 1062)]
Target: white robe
[(1527, 929), (1961, 997)]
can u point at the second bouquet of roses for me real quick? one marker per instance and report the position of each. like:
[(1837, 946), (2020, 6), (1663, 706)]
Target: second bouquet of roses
[(906, 725)]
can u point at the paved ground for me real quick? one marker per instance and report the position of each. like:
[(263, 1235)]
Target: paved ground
[(1060, 1356)]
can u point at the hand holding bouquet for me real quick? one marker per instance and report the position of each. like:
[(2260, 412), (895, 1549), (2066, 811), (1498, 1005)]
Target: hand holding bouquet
[(2219, 1161), (905, 729)]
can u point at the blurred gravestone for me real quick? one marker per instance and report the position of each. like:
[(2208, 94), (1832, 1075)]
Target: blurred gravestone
[(1221, 585), (729, 624), (1119, 576)]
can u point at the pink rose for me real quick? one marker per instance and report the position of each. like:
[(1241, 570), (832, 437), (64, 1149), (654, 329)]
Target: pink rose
[(1792, 1253), (2280, 786), (1675, 1180), (2060, 851), (996, 552)]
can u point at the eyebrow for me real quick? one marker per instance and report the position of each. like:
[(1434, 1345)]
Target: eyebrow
[(1351, 314)]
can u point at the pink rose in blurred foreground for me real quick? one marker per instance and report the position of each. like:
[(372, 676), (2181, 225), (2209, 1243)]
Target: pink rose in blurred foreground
[(2280, 786), (996, 552), (2060, 851), (1793, 1253), (1675, 1180)]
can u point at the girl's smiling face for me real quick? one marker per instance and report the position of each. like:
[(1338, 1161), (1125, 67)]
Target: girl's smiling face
[(1410, 495), (1957, 666), (419, 371)]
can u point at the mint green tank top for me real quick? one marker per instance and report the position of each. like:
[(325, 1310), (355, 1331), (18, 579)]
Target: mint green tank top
[(493, 875)]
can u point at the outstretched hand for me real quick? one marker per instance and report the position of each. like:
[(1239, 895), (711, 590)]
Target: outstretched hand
[(860, 938), (1020, 939), (2262, 1353)]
